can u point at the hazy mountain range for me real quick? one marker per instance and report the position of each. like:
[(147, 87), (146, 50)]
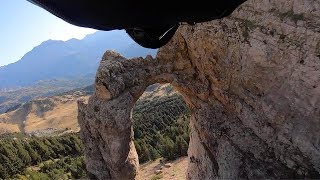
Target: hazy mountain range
[(57, 66), (67, 59)]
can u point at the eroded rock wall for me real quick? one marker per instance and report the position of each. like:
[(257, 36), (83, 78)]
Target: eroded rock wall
[(252, 81)]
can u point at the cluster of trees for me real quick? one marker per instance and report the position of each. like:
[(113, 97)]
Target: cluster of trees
[(17, 153), (65, 168), (161, 127)]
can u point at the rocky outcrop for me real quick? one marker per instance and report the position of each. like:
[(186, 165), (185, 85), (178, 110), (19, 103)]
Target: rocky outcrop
[(252, 81)]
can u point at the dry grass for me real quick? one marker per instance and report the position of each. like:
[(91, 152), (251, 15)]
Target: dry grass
[(176, 172), (9, 128), (159, 90), (62, 116)]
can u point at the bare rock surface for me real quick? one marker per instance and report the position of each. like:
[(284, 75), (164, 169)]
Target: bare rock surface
[(252, 81)]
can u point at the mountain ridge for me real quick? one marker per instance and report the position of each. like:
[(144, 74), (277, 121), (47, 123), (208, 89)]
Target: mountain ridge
[(71, 58)]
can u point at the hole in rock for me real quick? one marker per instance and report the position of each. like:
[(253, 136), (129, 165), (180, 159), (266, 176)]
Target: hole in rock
[(161, 125)]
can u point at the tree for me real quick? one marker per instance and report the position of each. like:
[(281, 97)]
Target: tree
[(41, 148), (22, 153), (3, 171), (168, 150), (154, 154), (143, 151), (35, 157), (181, 146), (10, 159)]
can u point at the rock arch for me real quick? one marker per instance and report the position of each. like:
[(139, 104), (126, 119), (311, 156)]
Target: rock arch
[(106, 125), (251, 80)]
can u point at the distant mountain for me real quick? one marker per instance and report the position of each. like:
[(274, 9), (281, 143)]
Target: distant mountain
[(67, 59)]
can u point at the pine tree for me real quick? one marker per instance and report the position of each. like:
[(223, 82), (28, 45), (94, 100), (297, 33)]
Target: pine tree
[(22, 153), (4, 163), (35, 157), (181, 146), (168, 150), (154, 154), (41, 148), (143, 151)]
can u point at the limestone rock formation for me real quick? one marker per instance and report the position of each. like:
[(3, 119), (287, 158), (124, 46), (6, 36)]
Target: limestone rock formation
[(252, 81)]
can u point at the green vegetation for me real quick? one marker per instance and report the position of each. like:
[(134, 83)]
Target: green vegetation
[(66, 168), (156, 177), (249, 24), (161, 130), (247, 27), (17, 152), (291, 15)]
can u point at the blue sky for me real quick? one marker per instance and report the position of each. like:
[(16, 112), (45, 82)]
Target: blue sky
[(24, 26)]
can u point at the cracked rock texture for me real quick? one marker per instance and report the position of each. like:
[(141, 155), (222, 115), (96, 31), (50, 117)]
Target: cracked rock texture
[(252, 81)]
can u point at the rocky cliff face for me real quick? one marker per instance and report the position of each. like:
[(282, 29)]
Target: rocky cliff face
[(252, 81)]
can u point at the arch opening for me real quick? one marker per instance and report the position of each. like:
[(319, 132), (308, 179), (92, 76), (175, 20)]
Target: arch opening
[(161, 124)]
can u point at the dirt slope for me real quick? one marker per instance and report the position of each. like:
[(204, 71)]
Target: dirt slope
[(177, 171), (43, 115)]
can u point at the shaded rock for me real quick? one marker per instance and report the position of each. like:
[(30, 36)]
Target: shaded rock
[(251, 82)]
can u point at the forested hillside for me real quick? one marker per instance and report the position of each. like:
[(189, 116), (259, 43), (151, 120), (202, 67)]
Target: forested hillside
[(41, 158), (161, 127)]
